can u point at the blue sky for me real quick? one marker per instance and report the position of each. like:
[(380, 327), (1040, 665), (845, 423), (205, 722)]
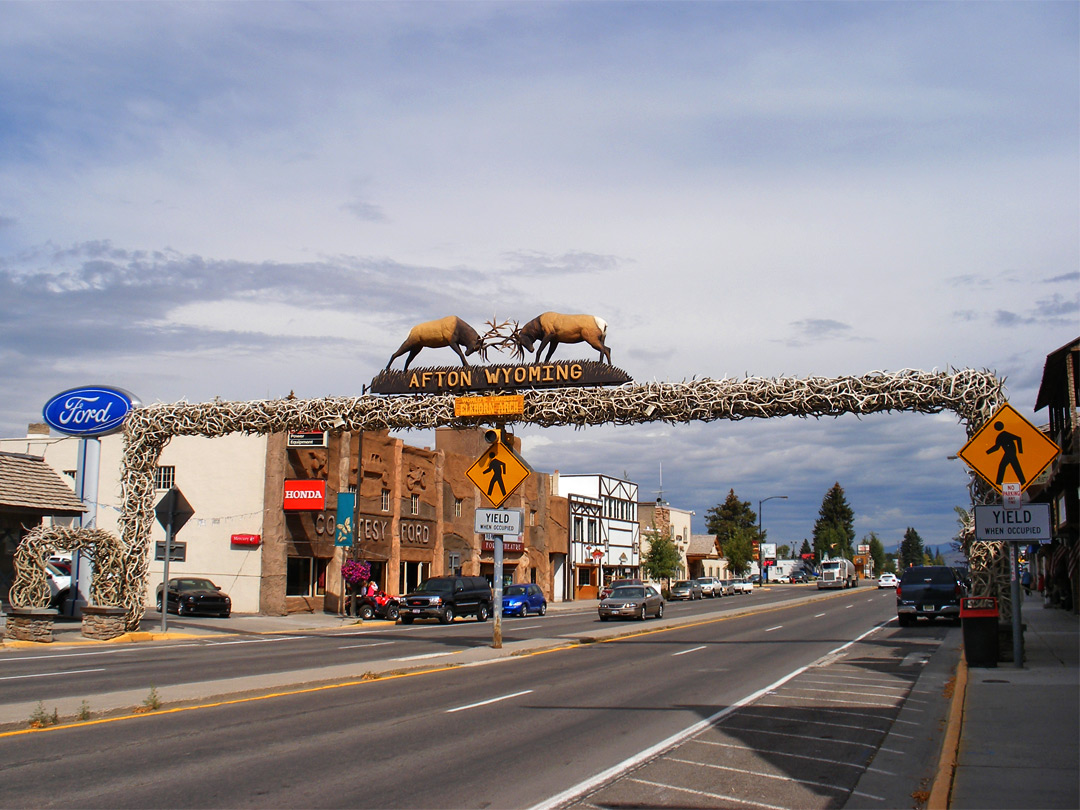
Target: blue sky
[(246, 199)]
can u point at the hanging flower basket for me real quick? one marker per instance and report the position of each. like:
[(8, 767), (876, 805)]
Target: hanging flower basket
[(354, 572)]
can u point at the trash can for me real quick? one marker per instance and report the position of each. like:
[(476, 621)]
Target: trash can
[(979, 617)]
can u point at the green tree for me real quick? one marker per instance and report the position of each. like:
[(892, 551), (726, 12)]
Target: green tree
[(834, 530), (890, 563), (911, 549), (783, 552), (739, 550), (662, 560), (732, 515), (877, 552), (805, 549)]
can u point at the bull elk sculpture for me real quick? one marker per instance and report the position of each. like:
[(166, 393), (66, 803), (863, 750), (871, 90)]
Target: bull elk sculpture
[(552, 328), (449, 331)]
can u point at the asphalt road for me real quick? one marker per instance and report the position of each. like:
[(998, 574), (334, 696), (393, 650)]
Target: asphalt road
[(521, 731), (52, 674)]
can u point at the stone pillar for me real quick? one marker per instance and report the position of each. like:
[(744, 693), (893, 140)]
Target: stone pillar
[(31, 624), (103, 623)]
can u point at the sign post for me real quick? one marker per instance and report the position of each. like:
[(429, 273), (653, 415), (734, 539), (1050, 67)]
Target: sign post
[(493, 524), (172, 511)]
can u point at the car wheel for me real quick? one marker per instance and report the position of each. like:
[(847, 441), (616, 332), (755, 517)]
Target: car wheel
[(392, 613), (366, 612), (159, 604), (641, 615), (660, 611), (603, 618), (447, 615), (225, 615), (905, 620), (524, 611), (482, 613), (543, 609)]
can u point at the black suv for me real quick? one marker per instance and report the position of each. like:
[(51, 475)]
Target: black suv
[(443, 598)]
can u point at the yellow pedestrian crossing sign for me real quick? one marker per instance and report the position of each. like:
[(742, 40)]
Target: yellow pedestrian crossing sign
[(1008, 449), (498, 472)]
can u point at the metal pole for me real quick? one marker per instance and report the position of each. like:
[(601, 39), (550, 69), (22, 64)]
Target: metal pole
[(165, 574), (1014, 591), (496, 640)]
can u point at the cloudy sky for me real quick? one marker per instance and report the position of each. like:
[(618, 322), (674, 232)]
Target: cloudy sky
[(246, 199)]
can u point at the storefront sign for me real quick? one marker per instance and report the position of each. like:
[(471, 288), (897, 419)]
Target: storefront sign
[(314, 438), (93, 410), (509, 546), (417, 534), (246, 539), (460, 380), (304, 496), (372, 528)]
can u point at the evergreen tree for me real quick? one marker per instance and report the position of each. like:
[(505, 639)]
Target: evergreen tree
[(661, 561), (834, 530), (739, 550), (911, 549), (726, 518), (805, 549)]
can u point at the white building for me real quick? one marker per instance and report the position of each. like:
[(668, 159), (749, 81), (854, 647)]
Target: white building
[(603, 530)]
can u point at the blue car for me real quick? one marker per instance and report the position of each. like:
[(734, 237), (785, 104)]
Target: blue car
[(521, 600)]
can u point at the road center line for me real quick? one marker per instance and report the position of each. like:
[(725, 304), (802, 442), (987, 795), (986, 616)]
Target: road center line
[(49, 674), (486, 702), (819, 615), (692, 649), (774, 628)]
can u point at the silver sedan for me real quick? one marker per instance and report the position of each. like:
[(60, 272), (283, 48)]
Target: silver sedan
[(632, 602)]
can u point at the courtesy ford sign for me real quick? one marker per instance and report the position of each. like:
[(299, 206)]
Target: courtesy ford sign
[(89, 411)]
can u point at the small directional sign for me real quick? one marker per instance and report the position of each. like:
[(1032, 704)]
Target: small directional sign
[(1009, 449), (498, 472)]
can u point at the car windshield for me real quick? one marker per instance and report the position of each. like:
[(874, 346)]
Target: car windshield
[(682, 583), (830, 566), (197, 585), (628, 593), (517, 590), (436, 586)]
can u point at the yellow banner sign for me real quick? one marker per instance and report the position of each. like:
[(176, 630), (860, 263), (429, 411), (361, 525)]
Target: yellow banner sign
[(489, 406)]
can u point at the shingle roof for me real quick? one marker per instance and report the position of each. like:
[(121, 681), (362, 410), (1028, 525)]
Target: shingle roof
[(702, 545), (28, 484)]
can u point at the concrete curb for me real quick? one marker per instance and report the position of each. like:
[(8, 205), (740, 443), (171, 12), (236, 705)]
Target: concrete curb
[(941, 790)]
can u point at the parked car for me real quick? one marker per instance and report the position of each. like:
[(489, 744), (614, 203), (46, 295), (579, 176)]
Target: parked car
[(708, 586), (605, 592), (800, 577), (726, 588), (632, 602), (188, 595), (521, 600), (784, 579), (887, 580), (59, 584), (686, 589), (742, 586), (445, 598), (928, 591)]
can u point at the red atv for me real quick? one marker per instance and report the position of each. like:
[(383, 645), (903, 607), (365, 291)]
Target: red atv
[(378, 605)]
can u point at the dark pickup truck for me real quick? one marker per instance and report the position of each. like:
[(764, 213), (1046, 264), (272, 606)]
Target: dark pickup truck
[(443, 598), (929, 591)]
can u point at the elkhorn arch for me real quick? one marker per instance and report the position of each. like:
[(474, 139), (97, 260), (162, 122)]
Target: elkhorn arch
[(972, 395)]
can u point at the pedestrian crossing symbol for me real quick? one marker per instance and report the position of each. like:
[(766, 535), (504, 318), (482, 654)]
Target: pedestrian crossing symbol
[(498, 472), (1008, 449)]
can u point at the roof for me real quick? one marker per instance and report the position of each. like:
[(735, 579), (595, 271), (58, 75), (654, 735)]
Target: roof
[(702, 545), (28, 484), (1054, 389)]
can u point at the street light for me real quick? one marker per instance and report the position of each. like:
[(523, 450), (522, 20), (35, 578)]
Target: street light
[(761, 556)]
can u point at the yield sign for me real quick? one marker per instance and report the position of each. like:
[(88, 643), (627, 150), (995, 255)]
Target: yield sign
[(498, 472), (1008, 449)]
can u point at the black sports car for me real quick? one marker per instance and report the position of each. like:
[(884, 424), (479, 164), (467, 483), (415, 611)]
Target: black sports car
[(189, 595)]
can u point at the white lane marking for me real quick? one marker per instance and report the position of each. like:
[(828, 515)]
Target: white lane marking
[(525, 627), (868, 796), (368, 644), (763, 774), (67, 655), (846, 764), (692, 649), (870, 600), (253, 641), (427, 655), (708, 795), (916, 659), (848, 607), (774, 628), (819, 615), (49, 674), (489, 701), (675, 739)]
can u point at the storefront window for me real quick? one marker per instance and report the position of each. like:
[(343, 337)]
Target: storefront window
[(306, 576)]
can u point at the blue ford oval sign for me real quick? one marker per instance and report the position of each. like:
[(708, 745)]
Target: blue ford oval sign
[(89, 411)]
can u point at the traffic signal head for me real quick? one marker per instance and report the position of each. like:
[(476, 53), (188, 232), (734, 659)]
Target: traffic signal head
[(498, 436)]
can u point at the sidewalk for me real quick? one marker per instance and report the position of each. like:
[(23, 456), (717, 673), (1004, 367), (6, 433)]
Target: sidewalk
[(1020, 736)]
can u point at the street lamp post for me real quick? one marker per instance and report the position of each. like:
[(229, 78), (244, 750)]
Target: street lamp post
[(761, 556)]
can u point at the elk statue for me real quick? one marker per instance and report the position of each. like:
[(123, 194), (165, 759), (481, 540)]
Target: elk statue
[(449, 331), (552, 328)]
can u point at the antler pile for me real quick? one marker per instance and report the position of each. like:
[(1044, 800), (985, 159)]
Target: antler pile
[(497, 337)]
